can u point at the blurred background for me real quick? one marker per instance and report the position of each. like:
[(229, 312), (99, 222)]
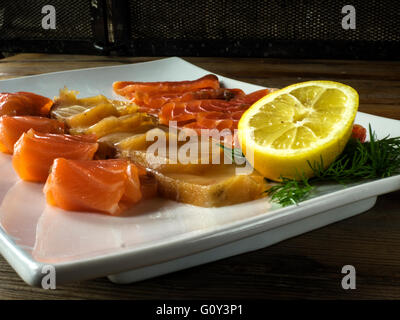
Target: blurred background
[(229, 28)]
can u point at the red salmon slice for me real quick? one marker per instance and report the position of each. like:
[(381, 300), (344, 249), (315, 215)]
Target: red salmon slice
[(178, 112), (35, 152), (253, 97), (107, 186), (197, 106), (208, 122), (128, 89), (11, 129), (156, 101), (215, 120), (359, 133), (185, 112), (24, 104), (181, 112)]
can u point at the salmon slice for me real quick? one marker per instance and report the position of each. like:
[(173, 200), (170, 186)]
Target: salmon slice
[(182, 112), (128, 89), (253, 97), (156, 100), (359, 133), (176, 111), (193, 111), (24, 104), (152, 103), (35, 152), (11, 128), (107, 186), (215, 120), (186, 112)]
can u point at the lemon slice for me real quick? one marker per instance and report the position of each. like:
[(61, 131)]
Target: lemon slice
[(302, 122)]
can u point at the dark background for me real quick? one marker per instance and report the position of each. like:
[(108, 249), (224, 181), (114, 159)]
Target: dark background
[(230, 28)]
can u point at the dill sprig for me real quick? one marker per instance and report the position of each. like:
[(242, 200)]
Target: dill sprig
[(359, 161), (290, 191), (368, 160), (233, 153)]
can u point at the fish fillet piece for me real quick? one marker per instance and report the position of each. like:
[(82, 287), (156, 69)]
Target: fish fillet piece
[(99, 115), (133, 123), (164, 164), (83, 112), (156, 99), (359, 133), (168, 150), (35, 152), (152, 103), (24, 103), (182, 112), (203, 182), (218, 186), (92, 115), (210, 121), (128, 89), (107, 186), (254, 96), (11, 128), (209, 114)]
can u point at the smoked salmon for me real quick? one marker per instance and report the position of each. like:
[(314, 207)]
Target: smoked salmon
[(24, 104), (182, 112), (35, 152), (128, 89), (209, 114), (209, 184), (11, 128), (198, 104), (251, 98), (152, 103), (107, 186), (213, 120), (359, 132)]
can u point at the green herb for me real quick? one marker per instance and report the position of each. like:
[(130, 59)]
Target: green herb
[(290, 191), (359, 161), (233, 153)]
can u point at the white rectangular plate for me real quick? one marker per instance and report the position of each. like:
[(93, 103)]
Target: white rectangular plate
[(159, 236)]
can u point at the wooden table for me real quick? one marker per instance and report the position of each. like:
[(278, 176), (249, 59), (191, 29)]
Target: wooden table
[(307, 266)]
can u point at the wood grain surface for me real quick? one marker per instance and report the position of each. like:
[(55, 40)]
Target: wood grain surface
[(308, 266)]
